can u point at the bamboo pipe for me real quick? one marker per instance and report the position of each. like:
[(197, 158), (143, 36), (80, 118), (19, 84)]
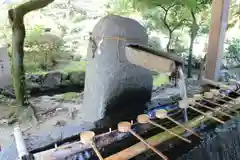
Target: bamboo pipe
[(209, 95), (186, 104), (87, 138), (198, 97), (216, 92), (162, 114), (126, 127)]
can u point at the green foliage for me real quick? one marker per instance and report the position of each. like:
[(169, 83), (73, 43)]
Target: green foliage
[(179, 41), (232, 55), (71, 96), (40, 56), (166, 19), (153, 3), (160, 79), (154, 42), (234, 14), (33, 35), (75, 66), (120, 7), (233, 48), (79, 18)]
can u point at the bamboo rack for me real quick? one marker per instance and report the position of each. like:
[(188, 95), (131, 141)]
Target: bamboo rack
[(71, 149), (157, 139)]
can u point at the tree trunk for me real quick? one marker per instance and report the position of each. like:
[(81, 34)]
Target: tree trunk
[(169, 41), (16, 19), (189, 74), (200, 75), (18, 74), (194, 31)]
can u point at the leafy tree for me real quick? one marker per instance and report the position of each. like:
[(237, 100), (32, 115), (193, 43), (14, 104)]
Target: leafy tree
[(120, 7), (234, 14), (169, 16), (200, 6), (233, 51), (185, 11), (166, 17)]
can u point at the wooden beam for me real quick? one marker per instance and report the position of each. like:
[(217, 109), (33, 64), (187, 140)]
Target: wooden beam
[(218, 27)]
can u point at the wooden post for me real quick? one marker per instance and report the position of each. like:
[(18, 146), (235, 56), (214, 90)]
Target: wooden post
[(218, 26)]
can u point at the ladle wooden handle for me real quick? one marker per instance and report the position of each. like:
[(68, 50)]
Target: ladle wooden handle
[(126, 127), (223, 113), (222, 100), (162, 127), (176, 122), (87, 138), (232, 99), (148, 145), (93, 145), (217, 104), (214, 118)]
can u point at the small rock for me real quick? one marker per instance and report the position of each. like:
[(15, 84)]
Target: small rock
[(53, 79), (77, 57), (34, 78), (77, 77), (59, 109), (3, 121), (58, 98), (60, 123), (73, 113), (64, 77)]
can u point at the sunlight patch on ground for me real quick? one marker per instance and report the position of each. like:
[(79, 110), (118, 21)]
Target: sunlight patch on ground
[(160, 79), (75, 66)]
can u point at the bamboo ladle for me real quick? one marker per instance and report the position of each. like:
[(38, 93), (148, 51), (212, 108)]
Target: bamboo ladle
[(162, 114), (217, 92), (186, 103), (210, 95), (144, 118), (214, 96), (198, 97), (87, 138), (223, 86), (126, 127)]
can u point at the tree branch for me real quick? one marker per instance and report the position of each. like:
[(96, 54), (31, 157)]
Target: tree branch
[(193, 16), (179, 24), (167, 8), (165, 17), (31, 6)]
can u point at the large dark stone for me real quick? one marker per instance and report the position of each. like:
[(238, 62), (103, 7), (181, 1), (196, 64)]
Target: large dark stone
[(77, 77), (52, 79), (115, 89)]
